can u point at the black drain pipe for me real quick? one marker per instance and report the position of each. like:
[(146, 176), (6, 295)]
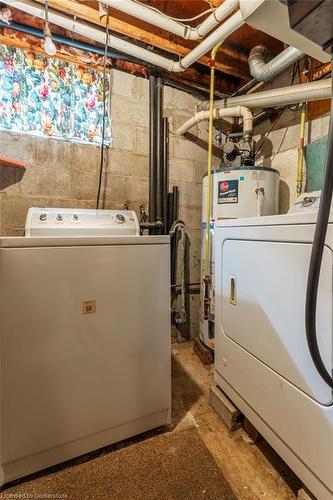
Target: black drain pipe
[(170, 212), (158, 164), (152, 149), (175, 192), (165, 173), (159, 151)]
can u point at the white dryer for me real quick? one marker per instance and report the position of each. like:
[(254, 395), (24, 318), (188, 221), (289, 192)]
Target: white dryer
[(85, 336), (262, 359)]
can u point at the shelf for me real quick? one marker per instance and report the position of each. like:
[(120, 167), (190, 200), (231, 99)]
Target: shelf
[(8, 162)]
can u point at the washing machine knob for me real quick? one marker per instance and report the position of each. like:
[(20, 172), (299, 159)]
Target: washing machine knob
[(59, 217), (42, 217), (120, 219), (75, 217)]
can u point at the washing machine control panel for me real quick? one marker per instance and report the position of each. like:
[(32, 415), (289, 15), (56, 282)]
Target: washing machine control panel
[(80, 222)]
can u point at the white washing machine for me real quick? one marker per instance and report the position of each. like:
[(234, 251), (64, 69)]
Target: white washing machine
[(262, 359), (85, 336)]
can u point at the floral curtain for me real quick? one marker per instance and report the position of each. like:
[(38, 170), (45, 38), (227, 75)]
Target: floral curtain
[(51, 97)]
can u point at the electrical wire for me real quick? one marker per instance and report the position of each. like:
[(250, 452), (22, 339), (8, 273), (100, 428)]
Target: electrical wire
[(270, 130), (295, 68), (180, 20), (194, 18), (101, 166), (316, 260)]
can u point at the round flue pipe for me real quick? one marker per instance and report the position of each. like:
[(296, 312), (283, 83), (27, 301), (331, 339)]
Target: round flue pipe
[(265, 72)]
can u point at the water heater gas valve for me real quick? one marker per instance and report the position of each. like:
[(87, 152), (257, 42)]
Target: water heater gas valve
[(238, 150)]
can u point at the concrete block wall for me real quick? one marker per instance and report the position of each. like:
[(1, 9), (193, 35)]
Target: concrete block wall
[(280, 150), (65, 174)]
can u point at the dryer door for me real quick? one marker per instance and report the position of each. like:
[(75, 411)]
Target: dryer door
[(263, 302)]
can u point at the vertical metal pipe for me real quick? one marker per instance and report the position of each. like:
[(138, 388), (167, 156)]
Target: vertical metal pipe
[(175, 213), (152, 147), (165, 172), (175, 191), (159, 149), (170, 211)]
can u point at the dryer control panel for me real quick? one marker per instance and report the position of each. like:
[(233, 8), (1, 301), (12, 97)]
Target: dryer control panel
[(58, 222)]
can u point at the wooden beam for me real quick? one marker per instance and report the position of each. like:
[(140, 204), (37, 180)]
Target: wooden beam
[(20, 44), (191, 77), (233, 63), (323, 70)]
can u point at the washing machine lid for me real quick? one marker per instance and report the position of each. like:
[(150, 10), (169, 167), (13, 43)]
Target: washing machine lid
[(69, 222)]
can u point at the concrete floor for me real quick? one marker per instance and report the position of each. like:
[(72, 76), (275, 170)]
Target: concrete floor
[(252, 470)]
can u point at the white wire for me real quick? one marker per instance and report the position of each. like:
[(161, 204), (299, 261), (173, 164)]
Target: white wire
[(195, 17), (175, 18)]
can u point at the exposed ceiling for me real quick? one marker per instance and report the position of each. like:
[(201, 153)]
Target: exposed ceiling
[(231, 68)]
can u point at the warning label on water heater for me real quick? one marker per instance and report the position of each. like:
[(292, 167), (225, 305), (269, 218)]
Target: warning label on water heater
[(227, 192)]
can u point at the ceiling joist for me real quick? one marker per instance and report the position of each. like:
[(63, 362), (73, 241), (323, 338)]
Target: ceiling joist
[(234, 63)]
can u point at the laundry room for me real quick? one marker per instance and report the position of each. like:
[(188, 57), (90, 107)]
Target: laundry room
[(165, 253)]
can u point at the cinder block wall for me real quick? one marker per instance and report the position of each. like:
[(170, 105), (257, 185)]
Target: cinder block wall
[(65, 174), (280, 150)]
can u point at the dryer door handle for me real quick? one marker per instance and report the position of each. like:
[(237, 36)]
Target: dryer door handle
[(233, 291)]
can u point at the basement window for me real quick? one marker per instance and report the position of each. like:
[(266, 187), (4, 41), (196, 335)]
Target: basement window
[(49, 97)]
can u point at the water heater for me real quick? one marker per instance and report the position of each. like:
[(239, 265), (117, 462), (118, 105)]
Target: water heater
[(245, 191)]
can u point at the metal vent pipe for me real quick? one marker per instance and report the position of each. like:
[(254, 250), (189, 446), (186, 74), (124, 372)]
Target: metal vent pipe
[(265, 72)]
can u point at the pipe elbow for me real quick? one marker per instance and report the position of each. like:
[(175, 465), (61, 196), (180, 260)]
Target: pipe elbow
[(176, 67), (257, 63), (237, 111), (192, 33), (247, 116), (265, 72)]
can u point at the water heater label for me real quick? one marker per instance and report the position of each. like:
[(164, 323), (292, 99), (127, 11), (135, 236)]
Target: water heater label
[(227, 192)]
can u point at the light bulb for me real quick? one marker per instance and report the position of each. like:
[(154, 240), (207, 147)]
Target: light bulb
[(49, 46)]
